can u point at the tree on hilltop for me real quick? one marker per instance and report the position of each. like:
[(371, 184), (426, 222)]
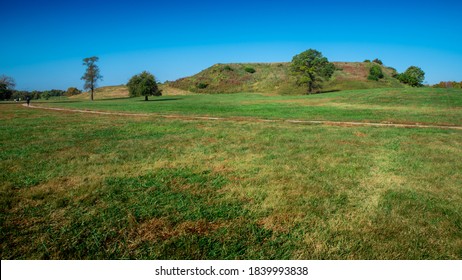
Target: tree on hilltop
[(91, 75), (378, 61), (311, 68), (143, 84)]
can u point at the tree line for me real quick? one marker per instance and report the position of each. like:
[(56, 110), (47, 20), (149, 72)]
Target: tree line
[(448, 84), (7, 91), (143, 84)]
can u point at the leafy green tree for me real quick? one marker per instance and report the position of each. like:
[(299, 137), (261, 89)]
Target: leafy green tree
[(7, 85), (413, 76), (46, 95), (311, 68), (91, 75), (35, 94), (375, 73), (143, 84)]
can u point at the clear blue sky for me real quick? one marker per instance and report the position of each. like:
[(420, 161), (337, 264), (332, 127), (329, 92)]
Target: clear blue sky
[(43, 42)]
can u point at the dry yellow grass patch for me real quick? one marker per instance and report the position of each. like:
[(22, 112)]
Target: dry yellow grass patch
[(158, 229), (167, 90), (281, 222)]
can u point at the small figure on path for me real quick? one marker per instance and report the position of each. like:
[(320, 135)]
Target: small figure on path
[(28, 100)]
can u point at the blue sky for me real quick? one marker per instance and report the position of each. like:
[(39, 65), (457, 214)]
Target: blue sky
[(44, 42)]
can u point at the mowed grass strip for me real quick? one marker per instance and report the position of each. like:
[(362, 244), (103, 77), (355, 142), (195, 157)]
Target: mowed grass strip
[(406, 106), (79, 186)]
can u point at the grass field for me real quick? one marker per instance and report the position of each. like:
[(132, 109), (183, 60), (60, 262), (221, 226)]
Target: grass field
[(425, 105), (82, 186)]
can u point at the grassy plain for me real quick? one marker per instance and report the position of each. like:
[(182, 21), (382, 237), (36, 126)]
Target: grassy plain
[(422, 105), (81, 186)]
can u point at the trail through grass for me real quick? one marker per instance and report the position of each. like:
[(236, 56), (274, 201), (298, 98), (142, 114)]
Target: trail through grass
[(424, 106)]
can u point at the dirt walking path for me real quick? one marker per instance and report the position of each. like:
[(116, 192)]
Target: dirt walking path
[(249, 119)]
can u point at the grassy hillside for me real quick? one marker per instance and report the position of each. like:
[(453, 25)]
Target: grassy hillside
[(353, 75), (107, 92), (276, 78), (145, 187)]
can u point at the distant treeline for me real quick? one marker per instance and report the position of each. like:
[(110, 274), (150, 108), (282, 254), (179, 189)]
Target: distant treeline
[(47, 94), (449, 84)]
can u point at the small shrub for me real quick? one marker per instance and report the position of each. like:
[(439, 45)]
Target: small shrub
[(367, 60), (378, 61), (202, 85), (227, 68), (375, 73), (250, 70)]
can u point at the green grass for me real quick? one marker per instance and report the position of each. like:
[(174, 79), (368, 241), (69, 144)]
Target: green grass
[(81, 186), (421, 105)]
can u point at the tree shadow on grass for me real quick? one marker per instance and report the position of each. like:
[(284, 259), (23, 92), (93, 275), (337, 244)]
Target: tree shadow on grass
[(57, 102), (327, 91), (109, 99), (159, 100), (11, 103)]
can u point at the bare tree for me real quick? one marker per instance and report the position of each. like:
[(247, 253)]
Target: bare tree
[(91, 75)]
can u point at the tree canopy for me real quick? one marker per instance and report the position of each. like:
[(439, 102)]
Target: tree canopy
[(311, 68), (91, 75), (143, 84), (375, 73), (7, 85), (73, 91), (413, 76)]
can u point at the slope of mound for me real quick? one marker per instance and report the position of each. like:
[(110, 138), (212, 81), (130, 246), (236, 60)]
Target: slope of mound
[(276, 78), (108, 92), (113, 92), (353, 75), (236, 77)]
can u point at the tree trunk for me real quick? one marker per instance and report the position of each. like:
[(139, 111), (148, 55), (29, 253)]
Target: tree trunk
[(310, 87), (145, 98), (91, 96)]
